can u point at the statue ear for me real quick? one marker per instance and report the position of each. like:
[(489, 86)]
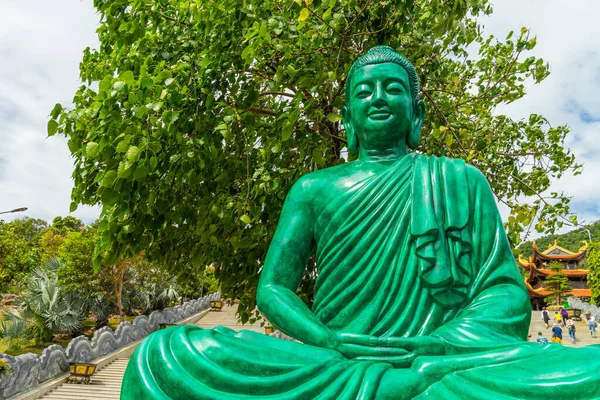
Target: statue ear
[(350, 134), (415, 130)]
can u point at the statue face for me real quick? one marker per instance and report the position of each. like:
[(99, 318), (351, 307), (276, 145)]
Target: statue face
[(381, 106)]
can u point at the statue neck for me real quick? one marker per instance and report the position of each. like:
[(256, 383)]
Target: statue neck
[(381, 155)]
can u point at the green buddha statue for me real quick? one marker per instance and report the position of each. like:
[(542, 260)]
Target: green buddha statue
[(417, 293)]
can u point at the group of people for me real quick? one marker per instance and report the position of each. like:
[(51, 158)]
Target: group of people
[(561, 317)]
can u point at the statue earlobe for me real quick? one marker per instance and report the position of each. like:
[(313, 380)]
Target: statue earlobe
[(415, 130), (350, 134)]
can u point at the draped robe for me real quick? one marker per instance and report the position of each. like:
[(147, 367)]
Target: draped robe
[(417, 249)]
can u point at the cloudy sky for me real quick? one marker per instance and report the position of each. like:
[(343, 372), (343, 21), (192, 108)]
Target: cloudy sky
[(41, 44)]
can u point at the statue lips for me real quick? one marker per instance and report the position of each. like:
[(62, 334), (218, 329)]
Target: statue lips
[(380, 115)]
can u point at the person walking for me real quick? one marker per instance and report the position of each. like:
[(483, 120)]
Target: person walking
[(571, 328), (541, 339), (546, 317), (557, 331), (556, 339), (592, 324), (564, 314), (557, 317)]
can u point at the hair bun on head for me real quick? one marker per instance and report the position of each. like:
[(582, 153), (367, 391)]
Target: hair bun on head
[(380, 48)]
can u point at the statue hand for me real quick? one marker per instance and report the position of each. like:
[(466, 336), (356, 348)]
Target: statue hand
[(419, 345), (353, 345), (400, 352)]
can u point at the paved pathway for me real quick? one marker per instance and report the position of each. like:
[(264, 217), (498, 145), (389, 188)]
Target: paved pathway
[(581, 331), (106, 383)]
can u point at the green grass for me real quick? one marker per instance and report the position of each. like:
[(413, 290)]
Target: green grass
[(114, 322), (30, 347)]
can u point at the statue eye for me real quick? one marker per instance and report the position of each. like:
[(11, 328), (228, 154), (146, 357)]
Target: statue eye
[(395, 88), (363, 91), (363, 94)]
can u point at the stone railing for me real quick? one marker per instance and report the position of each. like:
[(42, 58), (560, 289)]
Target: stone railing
[(584, 307), (280, 335), (30, 370)]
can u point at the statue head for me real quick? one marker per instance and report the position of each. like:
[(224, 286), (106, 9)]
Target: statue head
[(382, 101)]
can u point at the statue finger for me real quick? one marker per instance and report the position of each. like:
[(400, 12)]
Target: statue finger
[(397, 361), (354, 338), (354, 350)]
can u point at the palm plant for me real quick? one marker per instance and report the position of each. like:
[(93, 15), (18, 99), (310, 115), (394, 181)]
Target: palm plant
[(49, 307), (13, 329), (101, 307), (169, 294)]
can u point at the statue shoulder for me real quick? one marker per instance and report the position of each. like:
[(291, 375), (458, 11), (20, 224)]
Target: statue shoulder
[(456, 166), (320, 183)]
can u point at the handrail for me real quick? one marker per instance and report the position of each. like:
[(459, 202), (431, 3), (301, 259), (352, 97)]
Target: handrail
[(30, 370)]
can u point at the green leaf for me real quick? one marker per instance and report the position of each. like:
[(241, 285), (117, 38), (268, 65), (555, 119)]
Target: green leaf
[(52, 127), (448, 139), (425, 15), (92, 149), (133, 154), (127, 77), (140, 172), (123, 146), (141, 112), (286, 131), (304, 14), (334, 117), (119, 87), (109, 179), (245, 219), (124, 169), (56, 111), (169, 82)]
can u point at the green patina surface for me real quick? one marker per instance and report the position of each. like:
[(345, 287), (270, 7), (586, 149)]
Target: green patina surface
[(417, 296)]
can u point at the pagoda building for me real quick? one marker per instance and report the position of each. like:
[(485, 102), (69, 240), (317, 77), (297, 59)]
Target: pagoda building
[(538, 266)]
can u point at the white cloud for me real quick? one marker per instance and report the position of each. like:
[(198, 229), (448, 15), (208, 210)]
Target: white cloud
[(41, 44), (567, 37)]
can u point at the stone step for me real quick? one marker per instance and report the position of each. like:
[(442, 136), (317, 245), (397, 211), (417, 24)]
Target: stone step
[(80, 396), (96, 390), (109, 373)]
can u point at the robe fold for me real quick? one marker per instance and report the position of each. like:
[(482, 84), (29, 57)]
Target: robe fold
[(399, 254)]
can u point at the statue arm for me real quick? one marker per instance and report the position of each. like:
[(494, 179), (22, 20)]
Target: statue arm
[(498, 310), (284, 266)]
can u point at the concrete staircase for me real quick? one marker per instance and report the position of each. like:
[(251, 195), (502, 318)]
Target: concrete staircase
[(105, 384)]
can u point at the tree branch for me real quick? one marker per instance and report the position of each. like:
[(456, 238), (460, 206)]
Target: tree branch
[(356, 17), (276, 94), (443, 117), (325, 22), (256, 110)]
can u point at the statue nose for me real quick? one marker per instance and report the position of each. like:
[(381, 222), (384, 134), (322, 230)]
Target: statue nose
[(379, 97)]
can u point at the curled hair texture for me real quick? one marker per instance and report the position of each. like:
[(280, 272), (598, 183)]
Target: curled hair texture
[(385, 54)]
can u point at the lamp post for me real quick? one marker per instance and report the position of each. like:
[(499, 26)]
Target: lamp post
[(589, 234), (15, 210)]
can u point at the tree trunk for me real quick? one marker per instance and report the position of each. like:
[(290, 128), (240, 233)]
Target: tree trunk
[(120, 297)]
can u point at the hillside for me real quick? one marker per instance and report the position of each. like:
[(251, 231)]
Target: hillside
[(571, 240)]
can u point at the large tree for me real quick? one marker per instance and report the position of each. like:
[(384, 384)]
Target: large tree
[(593, 277), (195, 117), (557, 283), (19, 252)]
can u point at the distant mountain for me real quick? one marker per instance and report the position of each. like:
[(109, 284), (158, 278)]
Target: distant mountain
[(571, 241)]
